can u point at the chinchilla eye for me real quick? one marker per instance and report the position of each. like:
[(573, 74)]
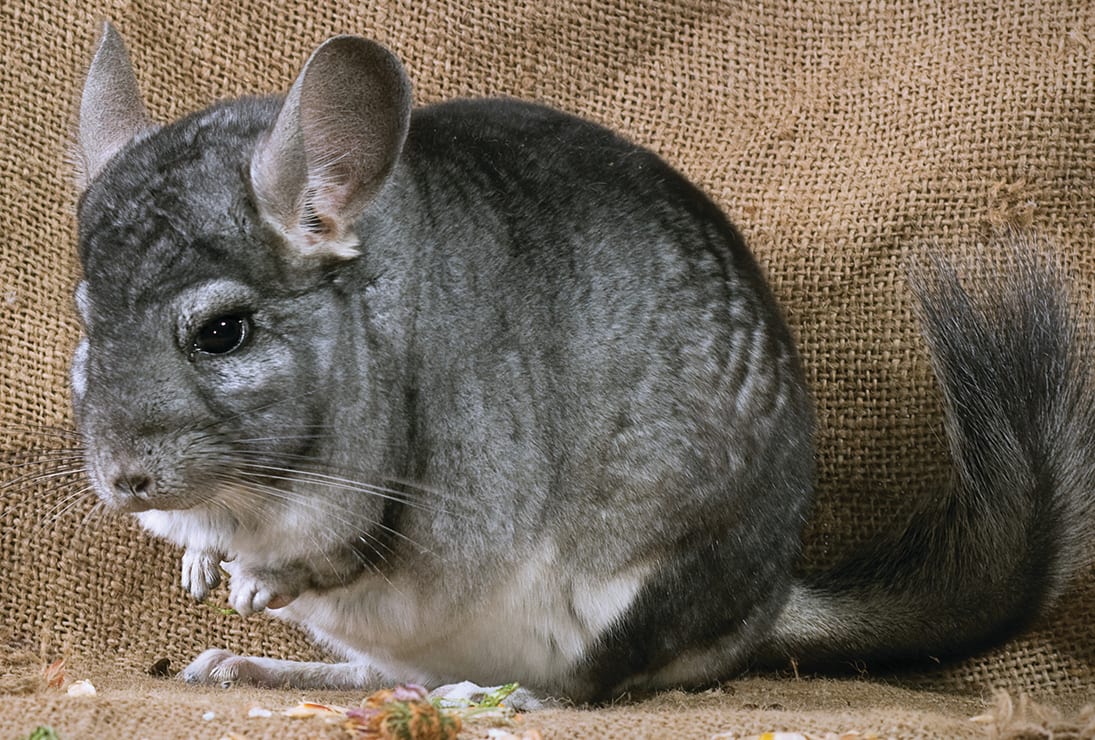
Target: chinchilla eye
[(222, 335)]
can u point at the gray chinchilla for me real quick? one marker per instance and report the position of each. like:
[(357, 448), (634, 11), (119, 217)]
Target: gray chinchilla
[(481, 391)]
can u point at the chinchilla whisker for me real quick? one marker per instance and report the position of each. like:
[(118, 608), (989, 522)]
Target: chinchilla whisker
[(56, 483), (238, 498), (373, 567), (242, 501), (32, 453), (98, 511), (413, 543), (254, 445), (28, 479), (374, 543), (318, 431), (44, 430), (420, 488), (274, 472), (46, 475), (318, 545), (71, 464), (239, 503), (243, 485), (341, 471), (66, 505), (277, 438), (42, 459), (317, 505), (248, 485)]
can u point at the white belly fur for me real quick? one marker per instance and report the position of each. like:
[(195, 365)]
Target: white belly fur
[(532, 626)]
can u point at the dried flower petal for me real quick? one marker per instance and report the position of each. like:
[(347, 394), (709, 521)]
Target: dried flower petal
[(307, 709), (55, 673), (409, 692)]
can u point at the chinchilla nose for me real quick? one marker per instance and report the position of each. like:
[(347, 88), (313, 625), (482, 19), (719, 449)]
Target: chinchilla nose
[(134, 486)]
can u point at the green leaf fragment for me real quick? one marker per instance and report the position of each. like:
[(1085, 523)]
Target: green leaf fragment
[(224, 610), (496, 697)]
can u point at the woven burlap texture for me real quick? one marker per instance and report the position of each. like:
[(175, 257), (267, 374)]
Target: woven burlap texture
[(838, 135)]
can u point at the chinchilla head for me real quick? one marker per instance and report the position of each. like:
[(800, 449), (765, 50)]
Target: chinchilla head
[(216, 252)]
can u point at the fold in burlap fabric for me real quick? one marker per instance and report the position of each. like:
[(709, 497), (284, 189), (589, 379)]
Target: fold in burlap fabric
[(838, 135)]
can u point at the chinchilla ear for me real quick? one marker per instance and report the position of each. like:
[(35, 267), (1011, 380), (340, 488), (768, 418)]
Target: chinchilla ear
[(111, 109), (335, 141)]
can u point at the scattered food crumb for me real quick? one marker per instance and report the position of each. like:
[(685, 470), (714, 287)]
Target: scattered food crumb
[(851, 735), (497, 733), (259, 712), (224, 611), (209, 716), (81, 688), (403, 712), (485, 700), (408, 712)]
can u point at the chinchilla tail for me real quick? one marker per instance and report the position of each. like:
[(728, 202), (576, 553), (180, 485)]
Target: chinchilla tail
[(982, 561)]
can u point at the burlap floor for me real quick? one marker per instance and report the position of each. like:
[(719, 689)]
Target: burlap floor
[(837, 134)]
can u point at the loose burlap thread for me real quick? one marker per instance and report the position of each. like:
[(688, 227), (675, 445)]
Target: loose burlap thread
[(838, 135)]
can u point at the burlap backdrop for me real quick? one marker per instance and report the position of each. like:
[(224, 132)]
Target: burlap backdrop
[(836, 134)]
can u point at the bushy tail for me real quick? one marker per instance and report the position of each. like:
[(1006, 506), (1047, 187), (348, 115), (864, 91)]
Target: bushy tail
[(981, 562)]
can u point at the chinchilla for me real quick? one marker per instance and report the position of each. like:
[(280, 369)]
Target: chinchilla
[(481, 391)]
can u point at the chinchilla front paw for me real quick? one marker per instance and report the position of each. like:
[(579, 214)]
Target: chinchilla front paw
[(251, 591), (201, 571)]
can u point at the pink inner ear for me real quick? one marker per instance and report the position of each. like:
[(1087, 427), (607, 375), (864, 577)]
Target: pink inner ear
[(336, 139), (355, 106)]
